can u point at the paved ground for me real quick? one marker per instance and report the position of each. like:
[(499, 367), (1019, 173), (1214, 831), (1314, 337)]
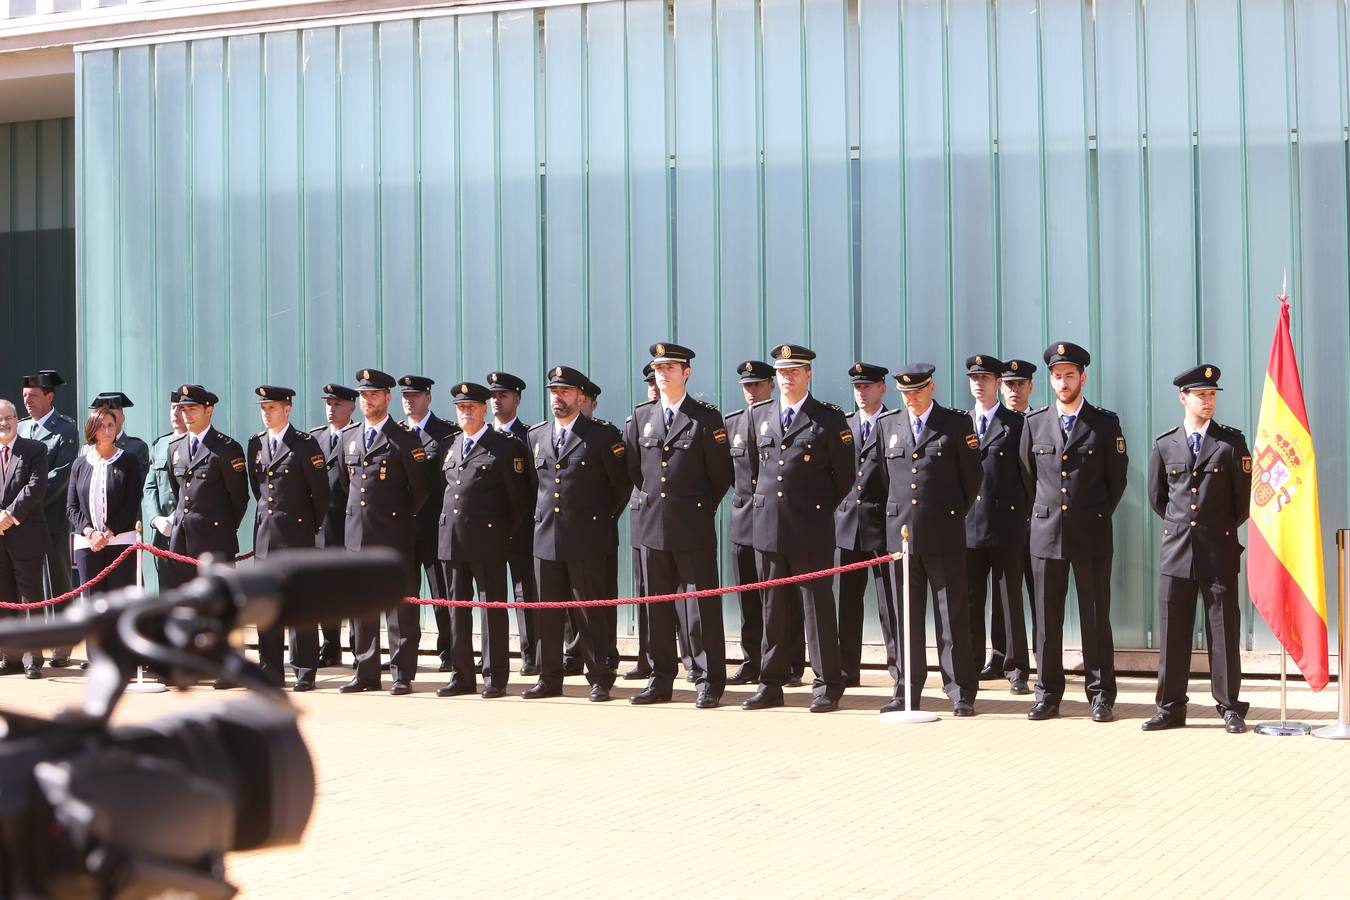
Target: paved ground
[(426, 797)]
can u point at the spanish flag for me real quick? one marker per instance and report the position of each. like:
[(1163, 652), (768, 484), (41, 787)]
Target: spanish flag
[(1284, 566)]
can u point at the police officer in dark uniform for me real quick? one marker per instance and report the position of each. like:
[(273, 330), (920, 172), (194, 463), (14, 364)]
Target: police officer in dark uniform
[(932, 474), (506, 393), (642, 670), (158, 499), (803, 469), (487, 494), (860, 526), (996, 526), (1074, 455), (756, 380), (387, 478), (433, 432), (583, 485), (1015, 386), (1200, 485), (339, 403), (678, 458), (590, 401), (289, 478)]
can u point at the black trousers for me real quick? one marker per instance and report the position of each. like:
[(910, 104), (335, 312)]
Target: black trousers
[(524, 590), (1004, 566), (436, 580), (640, 589), (944, 574), (405, 632), (58, 567), (571, 634), (814, 601), (699, 620), (1223, 637), (573, 580), (752, 608), (21, 582), (483, 580), (998, 628), (304, 644), (1092, 576), (852, 603)]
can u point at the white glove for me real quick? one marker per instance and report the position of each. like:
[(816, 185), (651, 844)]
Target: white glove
[(162, 524)]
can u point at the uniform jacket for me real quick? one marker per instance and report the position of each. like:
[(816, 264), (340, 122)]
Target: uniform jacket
[(932, 482), (212, 490), (860, 521), (136, 447), (386, 486), (680, 474), (335, 519), (61, 438), (125, 478), (291, 488), (522, 539), (1201, 500), (800, 476), (742, 452), (23, 493), (999, 516), (435, 436), (159, 497), (487, 495), (581, 490), (1076, 484)]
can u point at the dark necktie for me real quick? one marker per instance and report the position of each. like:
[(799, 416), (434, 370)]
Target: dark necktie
[(332, 440), (670, 417), (984, 423), (276, 447), (370, 437), (562, 439), (787, 418), (866, 429), (4, 461), (1194, 441), (192, 447), (918, 427), (468, 447), (1066, 424)]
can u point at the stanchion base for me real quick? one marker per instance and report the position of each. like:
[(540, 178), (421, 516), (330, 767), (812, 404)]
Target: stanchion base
[(1283, 729), (1333, 732), (907, 717), (146, 687)]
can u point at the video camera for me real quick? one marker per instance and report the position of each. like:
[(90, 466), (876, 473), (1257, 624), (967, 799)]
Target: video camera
[(151, 810)]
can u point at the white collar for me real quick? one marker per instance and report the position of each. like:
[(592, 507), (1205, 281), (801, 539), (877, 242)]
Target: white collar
[(675, 406), (565, 426), (1071, 412), (920, 418), (872, 419), (91, 454), (477, 436), (43, 421), (508, 425), (1202, 430), (202, 436), (278, 435), (981, 411), (796, 408), (378, 426), (420, 426)]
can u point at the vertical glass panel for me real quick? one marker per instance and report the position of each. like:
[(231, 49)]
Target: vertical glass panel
[(173, 362), (248, 363), (517, 68), (25, 254), (98, 213), (478, 194), (403, 335), (209, 218), (287, 360), (695, 177), (564, 190), (358, 209), (321, 221), (136, 181), (881, 180), (649, 269)]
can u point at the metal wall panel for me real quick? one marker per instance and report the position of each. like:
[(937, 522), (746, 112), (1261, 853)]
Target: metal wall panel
[(921, 179)]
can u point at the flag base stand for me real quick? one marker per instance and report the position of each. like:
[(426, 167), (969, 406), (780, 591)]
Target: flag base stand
[(1283, 729), (1336, 732), (908, 717), (140, 685), (1341, 730)]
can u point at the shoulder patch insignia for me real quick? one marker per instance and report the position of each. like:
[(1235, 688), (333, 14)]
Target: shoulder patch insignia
[(519, 465), (720, 435), (1247, 464), (237, 464), (846, 436), (617, 449), (1120, 445), (419, 455), (316, 461), (972, 441), (738, 441), (601, 421)]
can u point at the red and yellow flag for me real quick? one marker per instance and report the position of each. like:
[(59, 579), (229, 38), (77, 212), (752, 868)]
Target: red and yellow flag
[(1284, 565)]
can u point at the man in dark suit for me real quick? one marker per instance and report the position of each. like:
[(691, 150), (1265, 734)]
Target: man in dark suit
[(677, 450), (387, 479), (487, 494), (1200, 485), (583, 486), (932, 474), (1073, 453), (803, 469), (860, 527), (61, 436), (289, 479), (434, 432), (590, 402), (158, 499), (996, 526), (339, 403), (23, 527), (506, 395), (1015, 386), (115, 402)]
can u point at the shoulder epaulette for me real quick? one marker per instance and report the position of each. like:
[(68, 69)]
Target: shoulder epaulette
[(852, 413), (1171, 430), (304, 435), (1110, 412), (889, 412), (704, 403), (167, 434), (537, 427), (1222, 427), (644, 403), (261, 433), (599, 421), (1036, 412), (317, 430), (834, 406), (627, 420), (734, 412), (761, 403)]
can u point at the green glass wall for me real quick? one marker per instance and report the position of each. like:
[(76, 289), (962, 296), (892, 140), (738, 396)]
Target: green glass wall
[(37, 257), (878, 179)]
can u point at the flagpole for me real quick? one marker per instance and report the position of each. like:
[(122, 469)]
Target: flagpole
[(1341, 730), (140, 685), (908, 715)]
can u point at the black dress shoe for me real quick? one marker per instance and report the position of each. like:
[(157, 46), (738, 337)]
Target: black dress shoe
[(1102, 712), (456, 689), (1233, 723), (853, 682), (793, 681), (58, 662), (897, 704), (384, 667), (708, 700), (492, 693), (529, 671), (1018, 686), (356, 686), (989, 673), (329, 654), (445, 666), (32, 673), (302, 687), (691, 677), (10, 669), (223, 684), (648, 696), (540, 690), (1161, 721), (573, 667), (823, 704), (636, 674), (1044, 709), (744, 675), (400, 688), (599, 694), (764, 698), (963, 710)]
